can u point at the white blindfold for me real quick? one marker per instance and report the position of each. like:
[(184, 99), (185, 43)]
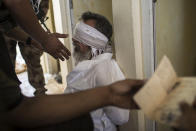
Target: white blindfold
[(91, 37)]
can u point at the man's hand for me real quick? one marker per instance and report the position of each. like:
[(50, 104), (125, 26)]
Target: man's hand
[(23, 13), (54, 47), (121, 93), (37, 45), (188, 118)]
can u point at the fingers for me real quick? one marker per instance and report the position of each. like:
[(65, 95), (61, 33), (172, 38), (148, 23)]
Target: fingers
[(55, 56), (64, 52), (60, 56), (55, 48), (58, 35), (135, 85), (63, 48)]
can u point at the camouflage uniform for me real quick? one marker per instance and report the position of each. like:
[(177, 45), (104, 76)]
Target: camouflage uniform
[(31, 56)]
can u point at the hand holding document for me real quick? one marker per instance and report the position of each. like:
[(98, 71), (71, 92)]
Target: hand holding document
[(161, 96)]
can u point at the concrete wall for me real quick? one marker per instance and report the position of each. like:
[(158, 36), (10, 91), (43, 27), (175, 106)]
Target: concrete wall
[(175, 34)]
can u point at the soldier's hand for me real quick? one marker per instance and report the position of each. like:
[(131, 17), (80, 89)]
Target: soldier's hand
[(122, 93), (54, 47)]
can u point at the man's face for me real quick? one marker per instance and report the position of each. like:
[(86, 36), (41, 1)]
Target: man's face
[(82, 51), (80, 46)]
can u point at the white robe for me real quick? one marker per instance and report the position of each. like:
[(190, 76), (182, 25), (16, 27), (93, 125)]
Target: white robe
[(100, 71)]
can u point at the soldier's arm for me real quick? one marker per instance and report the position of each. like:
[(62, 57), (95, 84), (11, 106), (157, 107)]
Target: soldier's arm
[(32, 112), (24, 15), (46, 110), (19, 35)]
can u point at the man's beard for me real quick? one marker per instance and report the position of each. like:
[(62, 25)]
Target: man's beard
[(80, 56)]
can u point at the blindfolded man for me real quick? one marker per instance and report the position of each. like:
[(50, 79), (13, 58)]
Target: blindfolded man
[(95, 67)]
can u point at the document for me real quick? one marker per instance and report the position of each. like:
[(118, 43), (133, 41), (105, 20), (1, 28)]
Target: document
[(161, 96)]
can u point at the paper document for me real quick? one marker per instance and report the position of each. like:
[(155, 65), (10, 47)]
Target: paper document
[(161, 95)]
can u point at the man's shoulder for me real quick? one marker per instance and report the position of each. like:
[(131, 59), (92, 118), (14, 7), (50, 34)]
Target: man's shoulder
[(105, 65), (105, 62)]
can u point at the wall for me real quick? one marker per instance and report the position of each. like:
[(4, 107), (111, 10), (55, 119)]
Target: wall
[(103, 7), (123, 36), (175, 34)]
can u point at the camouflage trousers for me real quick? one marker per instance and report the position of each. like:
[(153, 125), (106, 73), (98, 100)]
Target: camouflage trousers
[(31, 55)]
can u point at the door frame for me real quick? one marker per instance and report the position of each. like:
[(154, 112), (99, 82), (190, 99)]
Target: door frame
[(148, 37), (62, 19), (149, 46)]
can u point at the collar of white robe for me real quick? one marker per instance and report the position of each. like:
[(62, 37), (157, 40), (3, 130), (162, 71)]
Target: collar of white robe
[(91, 37)]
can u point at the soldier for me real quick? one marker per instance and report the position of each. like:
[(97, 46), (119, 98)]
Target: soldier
[(30, 53)]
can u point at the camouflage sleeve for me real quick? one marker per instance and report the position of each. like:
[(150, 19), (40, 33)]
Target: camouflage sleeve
[(10, 94)]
